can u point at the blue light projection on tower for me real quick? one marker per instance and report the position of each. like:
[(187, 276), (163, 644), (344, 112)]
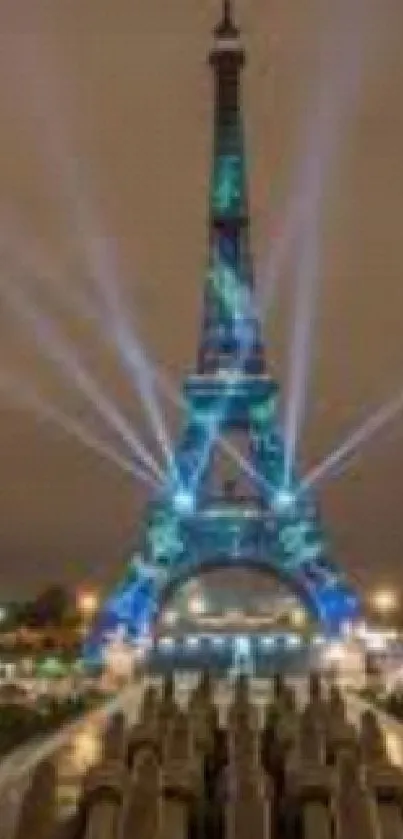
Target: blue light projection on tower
[(186, 527)]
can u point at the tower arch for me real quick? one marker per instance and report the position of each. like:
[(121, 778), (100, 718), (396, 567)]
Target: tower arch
[(188, 572)]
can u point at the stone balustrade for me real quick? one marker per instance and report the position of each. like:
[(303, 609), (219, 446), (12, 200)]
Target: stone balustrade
[(312, 771), (38, 814), (143, 800)]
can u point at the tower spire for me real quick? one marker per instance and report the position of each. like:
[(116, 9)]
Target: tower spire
[(230, 337), (226, 27), (227, 11)]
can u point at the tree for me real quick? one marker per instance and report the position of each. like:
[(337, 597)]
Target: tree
[(52, 607)]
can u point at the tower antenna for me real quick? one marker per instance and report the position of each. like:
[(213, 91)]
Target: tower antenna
[(227, 9), (226, 28)]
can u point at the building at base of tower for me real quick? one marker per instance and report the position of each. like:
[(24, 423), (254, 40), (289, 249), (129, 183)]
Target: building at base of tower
[(257, 517)]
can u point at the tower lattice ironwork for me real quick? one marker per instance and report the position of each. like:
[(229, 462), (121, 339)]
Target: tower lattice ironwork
[(193, 524)]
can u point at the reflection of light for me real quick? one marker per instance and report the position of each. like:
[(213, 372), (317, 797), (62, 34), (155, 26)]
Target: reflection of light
[(242, 645), (192, 641), (218, 640), (86, 747), (393, 742), (183, 501), (384, 601)]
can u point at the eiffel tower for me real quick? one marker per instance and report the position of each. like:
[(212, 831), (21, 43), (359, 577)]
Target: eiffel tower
[(195, 522)]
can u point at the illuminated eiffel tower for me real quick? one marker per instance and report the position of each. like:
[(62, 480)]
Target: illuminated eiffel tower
[(194, 523)]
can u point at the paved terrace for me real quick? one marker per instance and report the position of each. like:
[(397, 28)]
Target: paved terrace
[(196, 758)]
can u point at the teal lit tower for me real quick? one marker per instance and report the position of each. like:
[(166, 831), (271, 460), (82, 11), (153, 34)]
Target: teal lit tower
[(195, 522), (230, 338)]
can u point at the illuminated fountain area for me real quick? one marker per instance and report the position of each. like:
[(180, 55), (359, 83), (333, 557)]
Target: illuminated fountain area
[(239, 619), (232, 598)]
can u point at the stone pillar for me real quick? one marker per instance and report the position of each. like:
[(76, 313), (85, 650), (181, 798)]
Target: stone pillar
[(114, 740), (142, 807), (102, 798), (353, 811), (38, 814), (181, 778)]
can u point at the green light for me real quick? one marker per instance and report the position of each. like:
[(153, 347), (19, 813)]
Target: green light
[(263, 412), (228, 178), (52, 667), (294, 540), (164, 540), (292, 537), (232, 296)]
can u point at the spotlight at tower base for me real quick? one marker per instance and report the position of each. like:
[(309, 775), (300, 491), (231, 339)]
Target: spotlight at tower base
[(384, 601), (283, 500), (183, 501)]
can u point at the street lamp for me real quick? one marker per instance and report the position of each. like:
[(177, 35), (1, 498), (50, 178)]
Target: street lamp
[(87, 606), (384, 601)]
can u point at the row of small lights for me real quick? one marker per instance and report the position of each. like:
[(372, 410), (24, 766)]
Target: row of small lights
[(331, 652), (267, 641)]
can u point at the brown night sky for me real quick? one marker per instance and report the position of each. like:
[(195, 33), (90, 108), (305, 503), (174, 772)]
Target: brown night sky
[(123, 88)]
